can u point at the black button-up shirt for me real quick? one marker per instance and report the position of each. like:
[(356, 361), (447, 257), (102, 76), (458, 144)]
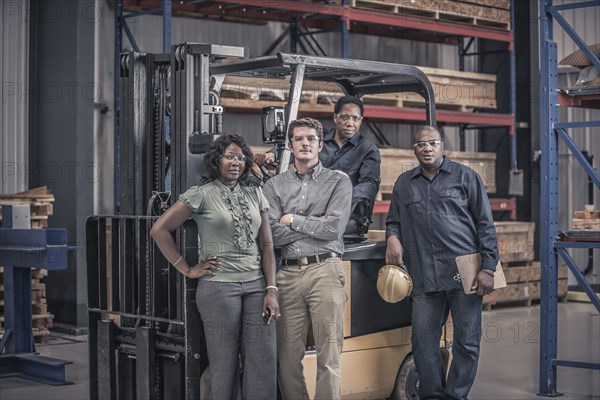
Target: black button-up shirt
[(359, 158), (437, 220)]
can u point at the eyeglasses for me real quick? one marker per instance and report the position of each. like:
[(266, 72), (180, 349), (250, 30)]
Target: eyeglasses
[(231, 156), (310, 138), (346, 117), (430, 143)]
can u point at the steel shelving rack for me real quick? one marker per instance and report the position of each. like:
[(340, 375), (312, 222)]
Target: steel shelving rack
[(321, 17), (551, 247)]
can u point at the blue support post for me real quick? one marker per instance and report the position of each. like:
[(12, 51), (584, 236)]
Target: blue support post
[(551, 131), (21, 250), (549, 205)]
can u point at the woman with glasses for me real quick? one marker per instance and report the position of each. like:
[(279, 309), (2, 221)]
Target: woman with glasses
[(236, 294)]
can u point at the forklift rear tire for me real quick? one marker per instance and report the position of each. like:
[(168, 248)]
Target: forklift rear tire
[(407, 381)]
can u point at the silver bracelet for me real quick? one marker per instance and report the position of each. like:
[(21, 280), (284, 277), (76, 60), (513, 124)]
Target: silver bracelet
[(275, 288), (176, 262)]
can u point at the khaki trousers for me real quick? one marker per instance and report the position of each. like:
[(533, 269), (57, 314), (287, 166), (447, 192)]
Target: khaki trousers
[(314, 292)]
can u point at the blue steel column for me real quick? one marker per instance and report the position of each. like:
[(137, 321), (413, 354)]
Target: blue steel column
[(549, 204)]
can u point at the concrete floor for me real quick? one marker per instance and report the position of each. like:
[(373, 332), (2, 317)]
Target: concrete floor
[(508, 366)]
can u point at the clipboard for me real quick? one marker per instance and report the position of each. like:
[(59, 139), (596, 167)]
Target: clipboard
[(469, 266)]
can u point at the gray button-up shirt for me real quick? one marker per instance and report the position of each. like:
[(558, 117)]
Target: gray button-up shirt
[(437, 220), (320, 201)]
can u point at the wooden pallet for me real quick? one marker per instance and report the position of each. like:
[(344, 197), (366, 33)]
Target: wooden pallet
[(524, 284), (455, 90), (515, 241), (442, 10), (40, 201), (397, 161), (586, 220)]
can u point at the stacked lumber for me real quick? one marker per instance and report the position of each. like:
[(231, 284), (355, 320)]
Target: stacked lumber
[(485, 13), (41, 206), (586, 220), (523, 274), (39, 199), (397, 161), (456, 90), (524, 286)]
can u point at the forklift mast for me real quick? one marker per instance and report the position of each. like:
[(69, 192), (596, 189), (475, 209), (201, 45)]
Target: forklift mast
[(145, 334)]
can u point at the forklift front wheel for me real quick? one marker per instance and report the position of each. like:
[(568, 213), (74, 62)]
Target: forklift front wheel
[(407, 381)]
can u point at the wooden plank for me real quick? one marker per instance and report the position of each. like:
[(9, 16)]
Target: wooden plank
[(589, 208), (586, 224), (502, 4), (39, 273), (443, 10)]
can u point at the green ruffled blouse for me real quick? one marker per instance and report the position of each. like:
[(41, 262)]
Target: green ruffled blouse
[(228, 223)]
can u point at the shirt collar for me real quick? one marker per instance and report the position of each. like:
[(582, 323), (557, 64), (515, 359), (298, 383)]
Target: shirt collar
[(314, 172), (328, 136), (444, 167), (220, 184)]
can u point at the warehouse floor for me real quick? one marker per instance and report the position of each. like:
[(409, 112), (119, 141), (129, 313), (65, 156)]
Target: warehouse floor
[(508, 367)]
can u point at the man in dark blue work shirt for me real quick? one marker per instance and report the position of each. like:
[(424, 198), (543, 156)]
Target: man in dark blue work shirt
[(440, 210), (347, 150)]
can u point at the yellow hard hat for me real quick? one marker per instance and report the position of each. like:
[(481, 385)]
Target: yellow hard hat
[(394, 284)]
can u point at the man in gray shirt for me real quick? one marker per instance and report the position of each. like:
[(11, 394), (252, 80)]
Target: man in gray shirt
[(309, 209)]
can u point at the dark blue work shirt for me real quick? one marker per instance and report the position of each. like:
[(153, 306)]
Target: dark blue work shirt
[(438, 220), (359, 158)]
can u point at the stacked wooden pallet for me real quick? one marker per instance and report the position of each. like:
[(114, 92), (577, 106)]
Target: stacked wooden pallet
[(485, 13), (41, 202), (586, 220), (41, 206), (523, 274), (456, 90), (524, 284), (397, 161)]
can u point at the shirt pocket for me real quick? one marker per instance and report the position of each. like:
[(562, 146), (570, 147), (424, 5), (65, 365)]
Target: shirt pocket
[(452, 203), (414, 206), (350, 167)]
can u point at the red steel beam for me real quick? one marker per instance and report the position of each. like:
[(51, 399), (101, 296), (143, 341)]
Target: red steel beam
[(446, 116), (296, 8), (405, 21)]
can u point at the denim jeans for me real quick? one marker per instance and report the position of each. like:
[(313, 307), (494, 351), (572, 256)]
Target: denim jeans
[(232, 316), (429, 314)]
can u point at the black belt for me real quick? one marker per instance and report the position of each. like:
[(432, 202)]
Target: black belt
[(317, 258)]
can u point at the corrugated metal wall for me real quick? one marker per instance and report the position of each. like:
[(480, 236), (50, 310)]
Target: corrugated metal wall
[(14, 70)]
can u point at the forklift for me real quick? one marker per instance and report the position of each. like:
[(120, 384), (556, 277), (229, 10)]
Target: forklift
[(145, 333)]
